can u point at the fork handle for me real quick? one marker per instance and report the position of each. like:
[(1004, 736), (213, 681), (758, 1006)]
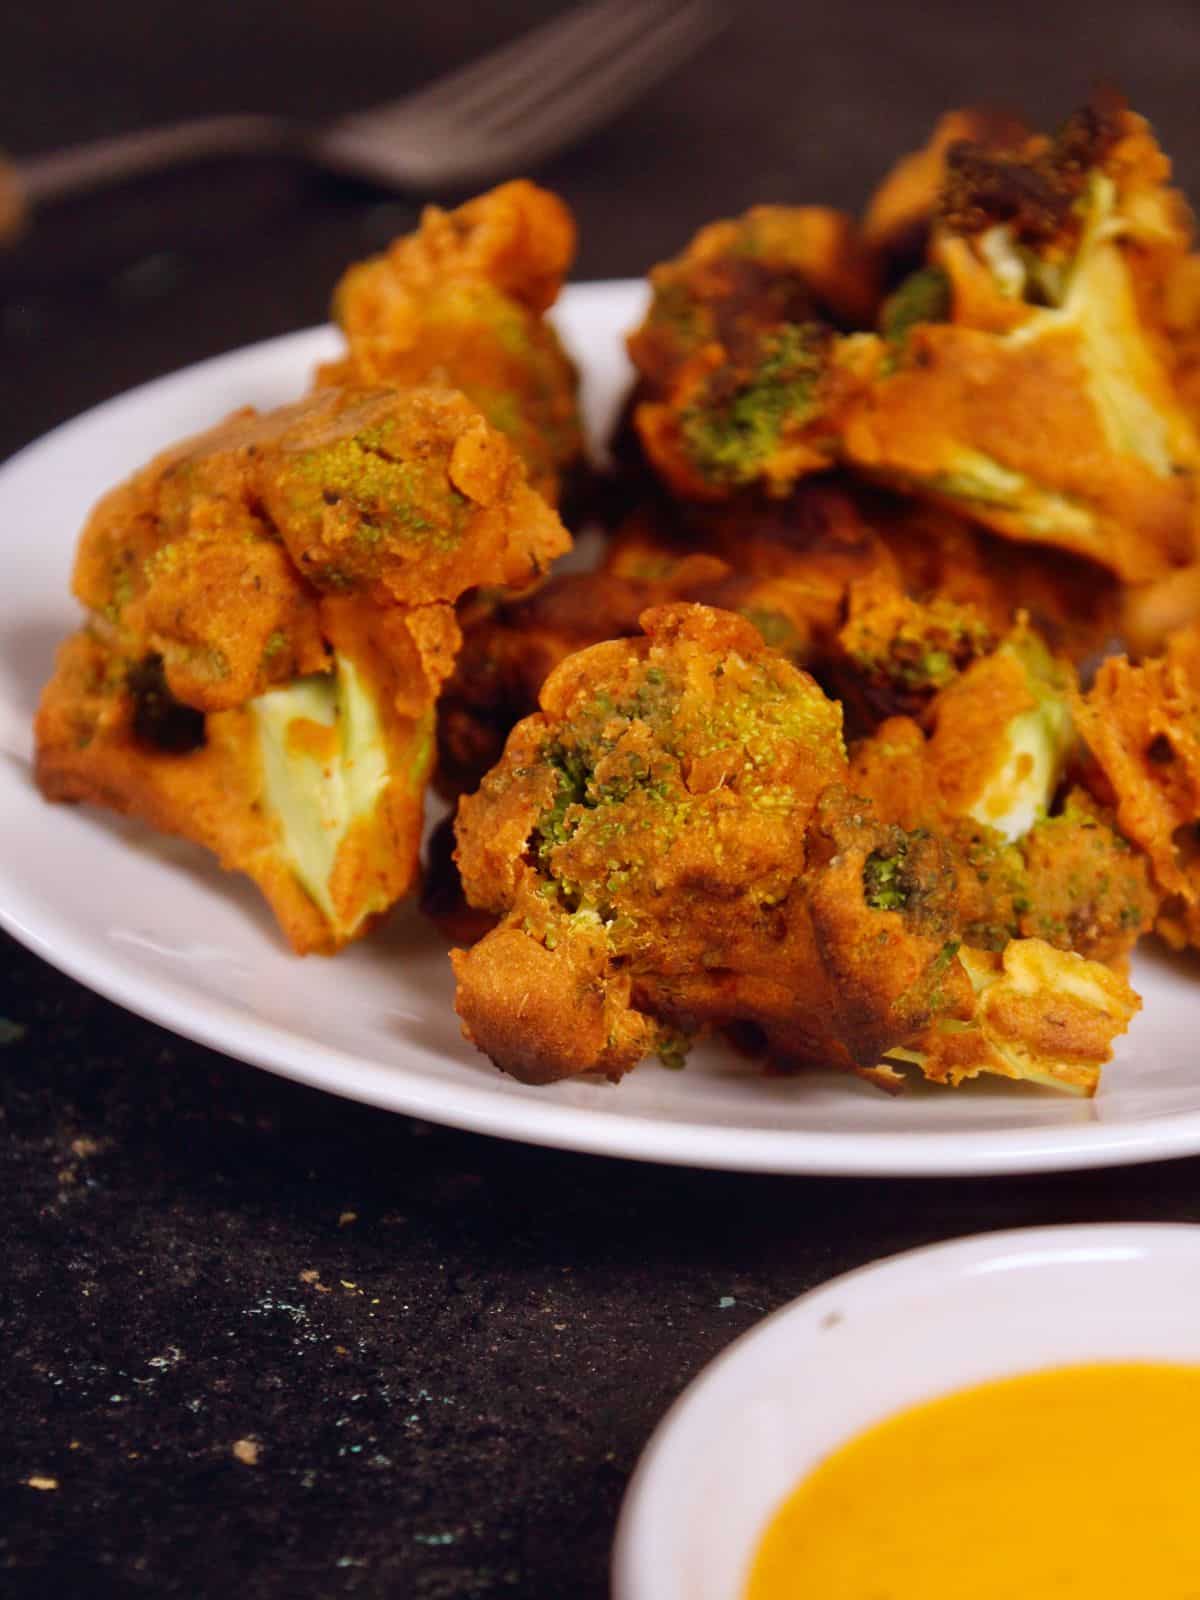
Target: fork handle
[(31, 182)]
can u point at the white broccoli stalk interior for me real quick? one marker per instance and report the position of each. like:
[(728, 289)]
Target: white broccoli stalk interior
[(1031, 749), (325, 767)]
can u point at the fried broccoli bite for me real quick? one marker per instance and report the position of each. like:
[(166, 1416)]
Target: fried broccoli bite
[(740, 374), (759, 412), (213, 556), (1026, 377), (511, 645), (671, 846), (314, 789), (285, 721), (1140, 725), (985, 773), (1041, 1015), (461, 302), (896, 652), (639, 839)]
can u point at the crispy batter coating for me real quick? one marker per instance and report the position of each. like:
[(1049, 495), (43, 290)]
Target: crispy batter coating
[(271, 623), (461, 301), (971, 775), (212, 556), (1028, 377), (1024, 375), (817, 542), (640, 838), (895, 652), (784, 566), (511, 645), (670, 845), (1071, 602), (882, 598), (1041, 1015), (762, 412), (1141, 725), (738, 380), (408, 495), (110, 733)]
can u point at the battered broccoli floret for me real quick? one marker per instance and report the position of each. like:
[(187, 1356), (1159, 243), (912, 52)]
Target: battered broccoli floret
[(1028, 378), (736, 357), (1040, 1015), (739, 420), (463, 298), (896, 652), (670, 845)]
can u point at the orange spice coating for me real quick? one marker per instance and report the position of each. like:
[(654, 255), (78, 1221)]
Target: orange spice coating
[(668, 845), (213, 555), (90, 748), (461, 301), (1141, 725), (322, 544)]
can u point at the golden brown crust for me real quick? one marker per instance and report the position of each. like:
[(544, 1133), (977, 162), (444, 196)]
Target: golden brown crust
[(89, 750), (461, 302), (407, 494), (543, 1015), (212, 556), (1027, 408), (670, 830), (1140, 725)]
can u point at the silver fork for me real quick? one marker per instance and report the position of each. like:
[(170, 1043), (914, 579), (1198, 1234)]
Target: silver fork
[(536, 95)]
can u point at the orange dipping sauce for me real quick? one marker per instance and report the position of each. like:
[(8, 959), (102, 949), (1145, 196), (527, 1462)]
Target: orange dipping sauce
[(1077, 1482)]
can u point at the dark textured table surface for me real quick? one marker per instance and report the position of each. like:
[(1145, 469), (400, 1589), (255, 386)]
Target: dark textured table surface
[(269, 1343)]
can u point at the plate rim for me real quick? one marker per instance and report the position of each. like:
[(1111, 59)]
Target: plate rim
[(475, 1107)]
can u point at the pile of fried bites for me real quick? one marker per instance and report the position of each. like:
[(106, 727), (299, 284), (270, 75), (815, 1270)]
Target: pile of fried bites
[(833, 752)]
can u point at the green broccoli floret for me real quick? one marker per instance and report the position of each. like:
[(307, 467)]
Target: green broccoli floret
[(924, 296), (883, 883), (1032, 755), (743, 414)]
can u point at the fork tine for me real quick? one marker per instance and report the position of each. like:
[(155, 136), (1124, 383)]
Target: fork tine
[(535, 53), (519, 103), (606, 29), (541, 118)]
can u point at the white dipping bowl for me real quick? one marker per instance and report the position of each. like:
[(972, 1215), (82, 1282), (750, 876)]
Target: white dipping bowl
[(865, 1346)]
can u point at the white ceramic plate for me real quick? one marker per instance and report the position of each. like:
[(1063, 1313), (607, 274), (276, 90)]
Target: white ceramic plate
[(154, 925), (872, 1343)]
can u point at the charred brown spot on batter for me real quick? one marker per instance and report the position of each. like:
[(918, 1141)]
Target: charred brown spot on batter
[(158, 718), (1033, 194), (756, 295), (984, 190)]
